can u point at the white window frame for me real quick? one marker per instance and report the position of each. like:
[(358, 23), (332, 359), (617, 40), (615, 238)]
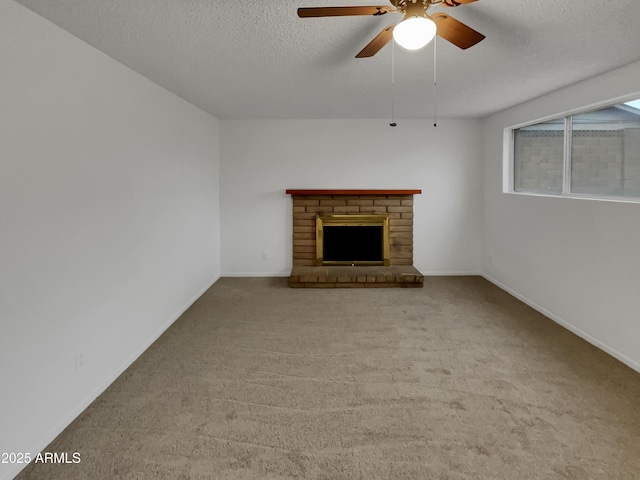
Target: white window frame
[(508, 166)]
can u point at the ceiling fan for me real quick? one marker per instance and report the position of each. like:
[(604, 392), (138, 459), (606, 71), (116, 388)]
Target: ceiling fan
[(416, 29)]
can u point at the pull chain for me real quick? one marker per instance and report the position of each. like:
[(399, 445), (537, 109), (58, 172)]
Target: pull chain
[(393, 82), (435, 82)]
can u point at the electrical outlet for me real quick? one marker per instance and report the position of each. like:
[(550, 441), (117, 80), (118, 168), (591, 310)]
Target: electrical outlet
[(79, 361)]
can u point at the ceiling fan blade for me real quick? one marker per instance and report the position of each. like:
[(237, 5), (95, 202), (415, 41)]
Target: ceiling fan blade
[(455, 3), (311, 12), (377, 43), (456, 32)]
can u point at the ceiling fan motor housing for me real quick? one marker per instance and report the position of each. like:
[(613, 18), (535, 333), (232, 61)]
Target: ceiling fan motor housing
[(402, 5), (412, 8)]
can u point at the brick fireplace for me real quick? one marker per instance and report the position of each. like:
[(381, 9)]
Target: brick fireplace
[(332, 206)]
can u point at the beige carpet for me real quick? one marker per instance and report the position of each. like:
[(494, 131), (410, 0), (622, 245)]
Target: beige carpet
[(454, 381)]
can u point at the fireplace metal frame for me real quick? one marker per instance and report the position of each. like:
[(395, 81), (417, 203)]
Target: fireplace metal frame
[(375, 220)]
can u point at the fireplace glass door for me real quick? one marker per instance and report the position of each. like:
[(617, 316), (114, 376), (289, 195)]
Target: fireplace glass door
[(352, 240)]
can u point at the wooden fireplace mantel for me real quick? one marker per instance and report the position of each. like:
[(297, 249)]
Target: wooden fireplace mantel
[(291, 191)]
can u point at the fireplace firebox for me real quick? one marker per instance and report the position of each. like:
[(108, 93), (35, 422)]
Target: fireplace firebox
[(352, 240)]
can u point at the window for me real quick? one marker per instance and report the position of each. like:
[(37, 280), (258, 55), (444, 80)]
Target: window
[(595, 153)]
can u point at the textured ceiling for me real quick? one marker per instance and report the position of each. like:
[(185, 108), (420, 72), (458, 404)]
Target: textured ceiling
[(257, 59)]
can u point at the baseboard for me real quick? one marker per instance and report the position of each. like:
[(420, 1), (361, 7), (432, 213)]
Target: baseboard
[(256, 274), (593, 341), (75, 412), (473, 273)]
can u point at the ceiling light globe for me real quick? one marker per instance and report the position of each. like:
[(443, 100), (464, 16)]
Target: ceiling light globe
[(414, 32)]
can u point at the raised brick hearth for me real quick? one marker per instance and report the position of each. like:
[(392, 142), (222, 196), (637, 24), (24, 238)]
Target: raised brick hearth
[(397, 204), (404, 276)]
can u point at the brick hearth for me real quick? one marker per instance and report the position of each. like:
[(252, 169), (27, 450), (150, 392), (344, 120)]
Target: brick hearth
[(404, 276)]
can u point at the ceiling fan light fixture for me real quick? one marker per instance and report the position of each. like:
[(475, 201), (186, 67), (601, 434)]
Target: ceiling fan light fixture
[(413, 33)]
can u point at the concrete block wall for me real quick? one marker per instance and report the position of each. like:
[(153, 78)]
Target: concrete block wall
[(603, 162), (631, 147), (539, 161), (597, 162)]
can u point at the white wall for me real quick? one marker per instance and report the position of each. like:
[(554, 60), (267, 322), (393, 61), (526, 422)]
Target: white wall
[(109, 222), (262, 158), (578, 261)]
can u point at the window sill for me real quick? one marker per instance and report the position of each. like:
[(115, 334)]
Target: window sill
[(577, 196)]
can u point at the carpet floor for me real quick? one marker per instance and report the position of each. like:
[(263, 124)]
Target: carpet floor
[(454, 381)]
